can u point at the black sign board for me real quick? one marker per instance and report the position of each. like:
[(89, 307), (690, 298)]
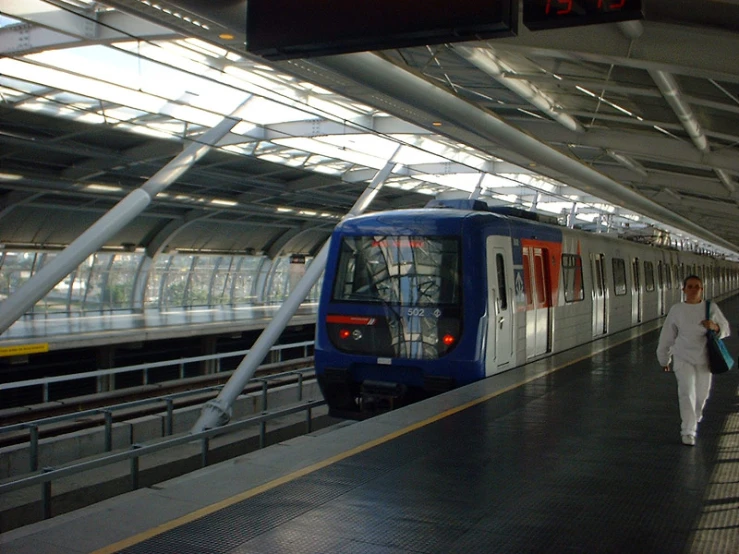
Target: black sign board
[(283, 29)]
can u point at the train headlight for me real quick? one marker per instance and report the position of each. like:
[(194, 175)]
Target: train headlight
[(356, 334), (448, 339)]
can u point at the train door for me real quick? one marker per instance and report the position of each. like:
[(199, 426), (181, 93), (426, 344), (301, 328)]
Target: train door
[(499, 353), (636, 291), (538, 300), (600, 321)]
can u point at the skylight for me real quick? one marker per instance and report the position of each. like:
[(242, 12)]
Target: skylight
[(182, 87)]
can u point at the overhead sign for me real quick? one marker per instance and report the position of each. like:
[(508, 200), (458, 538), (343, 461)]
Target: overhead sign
[(553, 14), (282, 29)]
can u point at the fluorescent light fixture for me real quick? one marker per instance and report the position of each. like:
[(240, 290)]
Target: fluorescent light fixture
[(10, 177), (97, 187), (220, 202)]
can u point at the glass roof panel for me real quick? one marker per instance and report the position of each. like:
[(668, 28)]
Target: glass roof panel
[(266, 112), (169, 88)]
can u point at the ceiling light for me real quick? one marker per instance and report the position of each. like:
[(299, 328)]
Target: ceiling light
[(102, 188)]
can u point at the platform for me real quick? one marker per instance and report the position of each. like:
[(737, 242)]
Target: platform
[(579, 452), (90, 330)]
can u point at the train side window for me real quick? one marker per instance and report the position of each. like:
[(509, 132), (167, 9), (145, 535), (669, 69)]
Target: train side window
[(660, 275), (668, 276), (540, 279), (572, 278), (619, 276), (527, 280), (636, 282), (649, 276), (675, 276), (502, 287)]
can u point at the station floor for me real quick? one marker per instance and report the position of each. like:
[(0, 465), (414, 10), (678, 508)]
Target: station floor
[(579, 452)]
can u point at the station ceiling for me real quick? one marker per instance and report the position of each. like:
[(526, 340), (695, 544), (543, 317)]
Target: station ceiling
[(632, 124)]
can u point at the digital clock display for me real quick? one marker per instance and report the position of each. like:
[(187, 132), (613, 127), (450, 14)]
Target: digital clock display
[(552, 14)]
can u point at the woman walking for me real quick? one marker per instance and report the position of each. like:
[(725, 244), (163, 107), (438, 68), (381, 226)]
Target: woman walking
[(683, 339)]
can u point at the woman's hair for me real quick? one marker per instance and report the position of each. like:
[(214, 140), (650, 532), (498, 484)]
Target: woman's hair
[(689, 277)]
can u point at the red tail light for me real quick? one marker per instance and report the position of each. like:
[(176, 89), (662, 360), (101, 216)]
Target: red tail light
[(448, 340)]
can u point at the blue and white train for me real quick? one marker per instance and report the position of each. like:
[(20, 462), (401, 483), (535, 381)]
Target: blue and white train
[(415, 302)]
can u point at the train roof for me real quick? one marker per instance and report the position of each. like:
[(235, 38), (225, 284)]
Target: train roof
[(447, 215)]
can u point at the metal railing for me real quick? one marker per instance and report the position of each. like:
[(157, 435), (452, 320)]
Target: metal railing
[(168, 400), (136, 451), (44, 382)]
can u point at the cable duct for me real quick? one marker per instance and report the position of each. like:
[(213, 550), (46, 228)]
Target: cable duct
[(671, 92), (485, 60)]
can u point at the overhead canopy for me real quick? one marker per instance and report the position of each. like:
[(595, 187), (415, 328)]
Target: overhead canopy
[(619, 124)]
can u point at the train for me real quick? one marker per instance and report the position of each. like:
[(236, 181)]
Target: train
[(416, 302)]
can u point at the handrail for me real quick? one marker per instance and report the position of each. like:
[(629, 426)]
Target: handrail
[(140, 367), (107, 412), (47, 475), (136, 403)]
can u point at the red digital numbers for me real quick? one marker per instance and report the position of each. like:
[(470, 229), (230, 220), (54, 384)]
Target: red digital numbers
[(563, 7)]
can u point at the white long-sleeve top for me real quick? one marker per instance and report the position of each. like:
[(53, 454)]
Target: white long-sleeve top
[(683, 337)]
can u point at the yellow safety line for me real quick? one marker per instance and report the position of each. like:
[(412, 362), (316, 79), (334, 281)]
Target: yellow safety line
[(202, 512)]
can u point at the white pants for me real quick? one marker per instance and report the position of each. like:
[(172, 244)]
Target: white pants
[(693, 388)]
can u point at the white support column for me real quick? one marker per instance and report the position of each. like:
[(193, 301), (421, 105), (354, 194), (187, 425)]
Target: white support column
[(478, 188), (573, 213), (217, 412)]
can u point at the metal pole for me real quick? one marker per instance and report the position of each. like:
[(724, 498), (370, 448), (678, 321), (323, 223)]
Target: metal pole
[(46, 496), (135, 468), (33, 454), (170, 416), (218, 411), (478, 188), (108, 430), (107, 226)]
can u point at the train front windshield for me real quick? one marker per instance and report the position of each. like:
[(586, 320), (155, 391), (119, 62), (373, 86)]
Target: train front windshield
[(414, 280)]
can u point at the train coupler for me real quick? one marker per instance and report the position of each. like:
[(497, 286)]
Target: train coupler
[(380, 396)]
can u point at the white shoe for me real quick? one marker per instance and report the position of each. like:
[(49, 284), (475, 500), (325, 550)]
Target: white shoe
[(689, 440)]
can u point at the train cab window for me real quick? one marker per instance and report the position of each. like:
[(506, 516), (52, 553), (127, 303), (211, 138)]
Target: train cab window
[(398, 270), (649, 276), (572, 278), (619, 276), (502, 287)]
